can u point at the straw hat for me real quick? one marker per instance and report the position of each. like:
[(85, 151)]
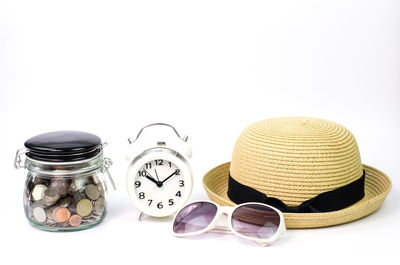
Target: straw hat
[(295, 159)]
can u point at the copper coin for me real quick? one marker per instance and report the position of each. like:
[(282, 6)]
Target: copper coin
[(84, 207), (75, 220), (62, 214)]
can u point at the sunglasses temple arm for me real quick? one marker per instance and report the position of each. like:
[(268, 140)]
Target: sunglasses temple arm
[(225, 230)]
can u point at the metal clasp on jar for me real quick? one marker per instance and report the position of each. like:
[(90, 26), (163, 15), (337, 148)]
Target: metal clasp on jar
[(106, 165), (18, 163)]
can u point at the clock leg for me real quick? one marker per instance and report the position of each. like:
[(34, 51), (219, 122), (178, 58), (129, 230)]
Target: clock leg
[(141, 216)]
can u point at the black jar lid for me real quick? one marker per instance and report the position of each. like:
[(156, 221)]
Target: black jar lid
[(63, 146)]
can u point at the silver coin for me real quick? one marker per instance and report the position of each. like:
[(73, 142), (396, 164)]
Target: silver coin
[(80, 182), (60, 186), (49, 198), (39, 214), (38, 192), (65, 202), (79, 195), (72, 188), (101, 188), (39, 180), (99, 205), (95, 179), (92, 192)]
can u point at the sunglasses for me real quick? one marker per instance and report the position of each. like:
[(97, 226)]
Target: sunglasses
[(254, 221)]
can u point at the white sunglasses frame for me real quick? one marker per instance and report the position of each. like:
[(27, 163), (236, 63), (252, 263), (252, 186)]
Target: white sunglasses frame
[(228, 211)]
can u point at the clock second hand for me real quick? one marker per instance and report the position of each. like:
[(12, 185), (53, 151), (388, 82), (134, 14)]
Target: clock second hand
[(157, 175)]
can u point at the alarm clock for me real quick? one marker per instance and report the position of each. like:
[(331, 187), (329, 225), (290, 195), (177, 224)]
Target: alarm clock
[(159, 179)]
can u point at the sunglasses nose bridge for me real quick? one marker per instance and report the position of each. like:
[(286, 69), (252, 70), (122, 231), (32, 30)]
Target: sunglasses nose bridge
[(225, 209)]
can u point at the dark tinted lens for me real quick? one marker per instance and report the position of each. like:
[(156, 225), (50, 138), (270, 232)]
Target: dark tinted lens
[(256, 221), (194, 217)]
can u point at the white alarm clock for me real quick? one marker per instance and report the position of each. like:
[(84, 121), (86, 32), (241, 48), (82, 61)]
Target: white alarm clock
[(159, 178)]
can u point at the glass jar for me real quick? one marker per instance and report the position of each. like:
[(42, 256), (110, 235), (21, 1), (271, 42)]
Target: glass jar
[(65, 189)]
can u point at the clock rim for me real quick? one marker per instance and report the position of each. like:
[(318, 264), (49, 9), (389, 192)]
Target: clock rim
[(159, 153)]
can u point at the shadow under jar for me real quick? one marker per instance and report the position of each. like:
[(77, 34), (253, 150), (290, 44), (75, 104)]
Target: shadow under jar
[(65, 189)]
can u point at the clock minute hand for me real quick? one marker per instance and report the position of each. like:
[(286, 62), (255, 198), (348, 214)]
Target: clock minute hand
[(169, 176)]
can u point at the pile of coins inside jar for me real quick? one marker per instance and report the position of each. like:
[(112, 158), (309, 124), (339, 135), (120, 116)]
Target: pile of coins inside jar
[(61, 202)]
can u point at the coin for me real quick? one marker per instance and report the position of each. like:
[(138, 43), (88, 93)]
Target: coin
[(100, 188), (38, 180), (38, 192), (84, 207), (39, 214), (60, 186), (49, 198), (99, 205), (79, 195), (62, 214), (75, 220), (92, 192), (79, 183), (65, 202), (95, 179)]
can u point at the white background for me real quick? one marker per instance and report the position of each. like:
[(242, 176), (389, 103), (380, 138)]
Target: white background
[(211, 68)]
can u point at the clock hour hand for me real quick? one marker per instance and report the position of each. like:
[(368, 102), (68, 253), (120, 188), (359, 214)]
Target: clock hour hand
[(175, 172), (149, 177)]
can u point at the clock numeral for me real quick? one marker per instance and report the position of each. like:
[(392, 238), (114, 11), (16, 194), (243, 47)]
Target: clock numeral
[(148, 165), (137, 184), (142, 173), (178, 194), (171, 202), (141, 195), (181, 183), (159, 205), (159, 162), (150, 201), (178, 172), (170, 164)]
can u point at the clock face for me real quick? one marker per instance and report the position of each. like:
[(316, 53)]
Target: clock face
[(159, 187)]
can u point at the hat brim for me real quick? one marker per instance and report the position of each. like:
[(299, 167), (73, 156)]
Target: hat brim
[(377, 186)]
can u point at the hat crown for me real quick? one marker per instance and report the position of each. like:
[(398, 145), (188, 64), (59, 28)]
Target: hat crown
[(295, 158)]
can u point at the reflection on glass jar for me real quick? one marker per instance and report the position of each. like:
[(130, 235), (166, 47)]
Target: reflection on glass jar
[(60, 194)]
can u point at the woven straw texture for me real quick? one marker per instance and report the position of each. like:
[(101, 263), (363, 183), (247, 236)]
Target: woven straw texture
[(295, 159)]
